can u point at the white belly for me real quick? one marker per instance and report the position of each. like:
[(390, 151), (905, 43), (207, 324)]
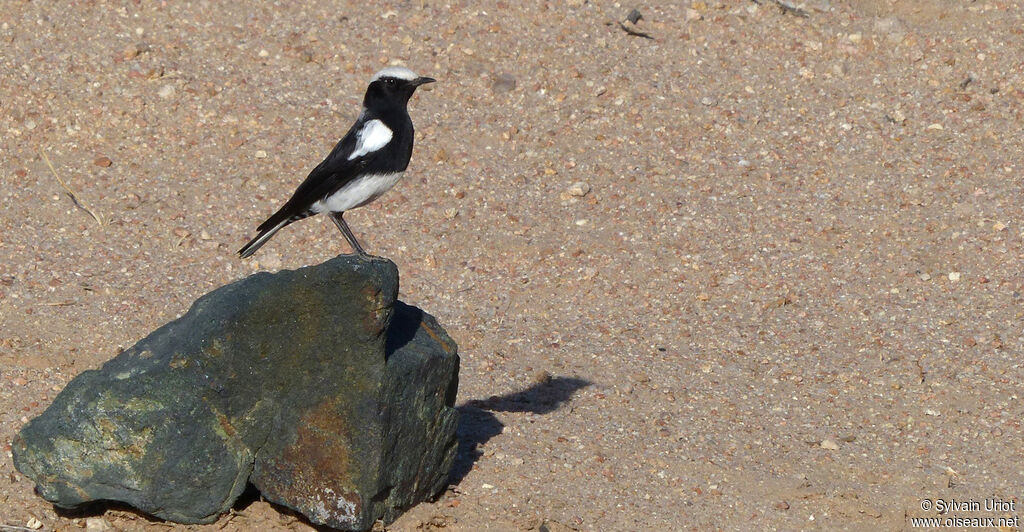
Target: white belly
[(357, 193)]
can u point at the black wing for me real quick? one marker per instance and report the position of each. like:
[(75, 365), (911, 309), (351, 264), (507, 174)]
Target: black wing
[(330, 175)]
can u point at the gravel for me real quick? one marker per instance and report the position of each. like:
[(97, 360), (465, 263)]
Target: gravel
[(803, 297)]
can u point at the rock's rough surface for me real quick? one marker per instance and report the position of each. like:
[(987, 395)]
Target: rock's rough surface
[(316, 385)]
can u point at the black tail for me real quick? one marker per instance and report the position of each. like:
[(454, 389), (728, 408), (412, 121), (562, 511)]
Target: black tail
[(264, 235), (271, 226)]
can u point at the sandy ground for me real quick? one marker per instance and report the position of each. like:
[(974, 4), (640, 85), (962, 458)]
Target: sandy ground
[(762, 271)]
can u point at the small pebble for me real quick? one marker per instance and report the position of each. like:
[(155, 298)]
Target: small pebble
[(829, 444), (451, 213), (503, 82), (639, 377), (264, 53), (19, 381), (97, 524), (579, 189), (954, 276), (103, 161), (260, 154), (34, 523), (892, 28), (166, 91), (130, 52), (271, 261)]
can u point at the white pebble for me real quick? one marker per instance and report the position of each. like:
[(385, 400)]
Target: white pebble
[(579, 189), (97, 524)]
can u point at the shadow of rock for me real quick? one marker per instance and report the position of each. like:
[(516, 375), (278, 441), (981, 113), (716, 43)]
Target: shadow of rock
[(477, 424)]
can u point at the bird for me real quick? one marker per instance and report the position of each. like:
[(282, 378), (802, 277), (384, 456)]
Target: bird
[(366, 162)]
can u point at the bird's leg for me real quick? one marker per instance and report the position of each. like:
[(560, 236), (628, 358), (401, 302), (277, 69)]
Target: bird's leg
[(340, 222)]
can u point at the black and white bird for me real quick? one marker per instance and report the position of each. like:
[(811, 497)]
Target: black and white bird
[(366, 163)]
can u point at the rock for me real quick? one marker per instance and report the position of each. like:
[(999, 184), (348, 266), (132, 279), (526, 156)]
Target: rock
[(315, 385)]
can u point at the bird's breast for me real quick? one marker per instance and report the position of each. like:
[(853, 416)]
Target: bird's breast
[(358, 192)]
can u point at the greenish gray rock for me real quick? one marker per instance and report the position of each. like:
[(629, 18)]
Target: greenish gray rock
[(315, 385)]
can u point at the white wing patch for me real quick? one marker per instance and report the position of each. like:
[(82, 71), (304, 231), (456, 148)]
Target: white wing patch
[(357, 192), (373, 136)]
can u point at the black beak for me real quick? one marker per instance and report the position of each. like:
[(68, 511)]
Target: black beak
[(421, 81)]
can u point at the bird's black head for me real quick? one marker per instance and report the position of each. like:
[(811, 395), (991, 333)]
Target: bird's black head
[(393, 86)]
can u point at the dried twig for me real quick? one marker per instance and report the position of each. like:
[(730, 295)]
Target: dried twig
[(228, 520), (14, 528), (70, 193)]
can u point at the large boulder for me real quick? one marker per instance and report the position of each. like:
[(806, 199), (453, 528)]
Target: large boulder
[(315, 385)]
